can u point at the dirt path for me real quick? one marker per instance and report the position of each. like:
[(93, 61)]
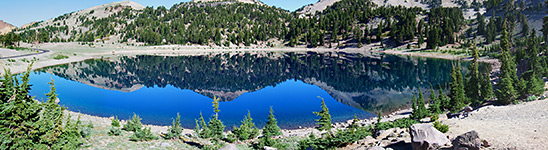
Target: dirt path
[(520, 126), (41, 51)]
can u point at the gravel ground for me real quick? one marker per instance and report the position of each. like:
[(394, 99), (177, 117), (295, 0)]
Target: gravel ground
[(520, 126)]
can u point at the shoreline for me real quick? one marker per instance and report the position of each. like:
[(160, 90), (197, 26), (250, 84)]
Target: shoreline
[(77, 52)]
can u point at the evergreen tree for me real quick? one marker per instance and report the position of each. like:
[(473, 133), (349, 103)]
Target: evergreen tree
[(473, 85), (444, 101), (420, 111), (270, 129), (134, 124), (456, 95), (325, 118), (115, 127), (535, 85), (506, 93), (486, 87), (435, 104), (204, 132), (215, 126), (247, 129), (175, 130)]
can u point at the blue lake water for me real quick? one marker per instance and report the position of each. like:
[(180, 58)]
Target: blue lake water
[(158, 87)]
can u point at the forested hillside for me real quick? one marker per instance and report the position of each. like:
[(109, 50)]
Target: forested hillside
[(346, 23)]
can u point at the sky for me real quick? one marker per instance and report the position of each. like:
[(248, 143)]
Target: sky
[(20, 12)]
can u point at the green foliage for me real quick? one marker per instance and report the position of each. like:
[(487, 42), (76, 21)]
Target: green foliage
[(58, 57), (134, 124), (441, 127), (27, 124), (247, 129), (325, 118), (175, 130), (435, 105), (419, 111), (340, 138), (456, 95), (215, 126), (472, 83), (142, 135), (270, 129), (204, 132)]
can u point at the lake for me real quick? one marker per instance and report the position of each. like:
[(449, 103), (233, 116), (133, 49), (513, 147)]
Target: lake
[(158, 87)]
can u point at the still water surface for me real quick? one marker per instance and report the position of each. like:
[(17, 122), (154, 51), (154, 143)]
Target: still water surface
[(159, 87)]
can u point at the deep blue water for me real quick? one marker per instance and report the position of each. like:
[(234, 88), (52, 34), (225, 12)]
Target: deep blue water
[(351, 84), (293, 102)]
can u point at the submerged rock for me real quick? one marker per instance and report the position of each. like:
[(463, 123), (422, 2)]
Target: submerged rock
[(467, 141), (426, 137)]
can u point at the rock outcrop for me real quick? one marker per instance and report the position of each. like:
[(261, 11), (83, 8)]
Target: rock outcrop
[(467, 141), (426, 137)]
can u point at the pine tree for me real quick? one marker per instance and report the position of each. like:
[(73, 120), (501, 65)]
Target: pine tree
[(204, 132), (444, 101), (456, 95), (472, 84), (420, 111), (506, 93), (486, 87), (247, 129), (215, 126), (270, 129), (115, 127), (134, 124), (535, 85), (325, 118), (175, 130), (434, 107)]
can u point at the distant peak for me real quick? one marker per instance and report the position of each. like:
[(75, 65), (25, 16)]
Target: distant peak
[(6, 27)]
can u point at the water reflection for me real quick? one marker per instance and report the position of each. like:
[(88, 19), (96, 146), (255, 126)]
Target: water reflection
[(370, 83)]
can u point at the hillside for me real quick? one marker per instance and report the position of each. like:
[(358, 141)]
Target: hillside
[(316, 7), (5, 27), (244, 23), (67, 26)]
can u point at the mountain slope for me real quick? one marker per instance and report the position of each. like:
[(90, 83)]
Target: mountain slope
[(316, 7), (5, 27)]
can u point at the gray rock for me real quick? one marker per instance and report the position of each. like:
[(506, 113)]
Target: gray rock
[(426, 137), (383, 133), (467, 109), (229, 147), (467, 141), (376, 148), (269, 148)]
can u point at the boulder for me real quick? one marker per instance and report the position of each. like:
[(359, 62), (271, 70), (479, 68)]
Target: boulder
[(229, 147), (379, 135), (467, 141), (426, 137)]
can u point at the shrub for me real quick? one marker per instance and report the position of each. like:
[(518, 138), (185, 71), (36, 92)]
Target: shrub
[(340, 138), (134, 124), (441, 127), (142, 135), (58, 57), (115, 127)]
